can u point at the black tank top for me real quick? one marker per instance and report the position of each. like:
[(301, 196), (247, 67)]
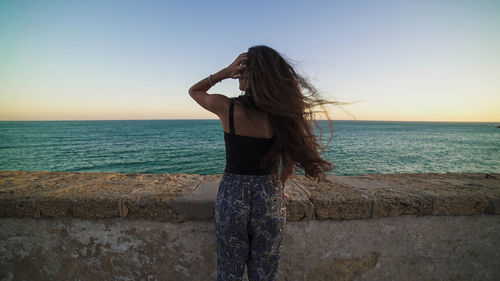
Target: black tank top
[(244, 153)]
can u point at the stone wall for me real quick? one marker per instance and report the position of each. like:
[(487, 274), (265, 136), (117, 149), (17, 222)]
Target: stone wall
[(110, 226)]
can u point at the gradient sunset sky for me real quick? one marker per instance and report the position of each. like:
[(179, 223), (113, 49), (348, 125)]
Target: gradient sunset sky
[(396, 60)]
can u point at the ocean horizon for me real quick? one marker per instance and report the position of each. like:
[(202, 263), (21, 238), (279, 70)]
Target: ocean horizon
[(496, 123), (196, 146)]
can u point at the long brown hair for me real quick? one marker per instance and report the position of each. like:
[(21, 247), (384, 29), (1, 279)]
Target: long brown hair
[(289, 99)]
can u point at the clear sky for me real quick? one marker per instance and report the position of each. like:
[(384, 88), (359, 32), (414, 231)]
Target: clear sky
[(397, 60)]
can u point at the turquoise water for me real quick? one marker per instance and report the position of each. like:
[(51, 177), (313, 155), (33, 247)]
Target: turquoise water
[(197, 146)]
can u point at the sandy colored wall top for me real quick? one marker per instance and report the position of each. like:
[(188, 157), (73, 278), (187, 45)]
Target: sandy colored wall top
[(182, 197)]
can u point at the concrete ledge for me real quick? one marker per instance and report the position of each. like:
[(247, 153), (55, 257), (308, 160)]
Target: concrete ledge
[(200, 204), (184, 197), (88, 226), (419, 248)]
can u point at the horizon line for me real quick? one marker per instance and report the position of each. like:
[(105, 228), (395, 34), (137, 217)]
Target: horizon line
[(184, 119)]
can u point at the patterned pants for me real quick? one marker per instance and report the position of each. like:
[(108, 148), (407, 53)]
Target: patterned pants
[(250, 217)]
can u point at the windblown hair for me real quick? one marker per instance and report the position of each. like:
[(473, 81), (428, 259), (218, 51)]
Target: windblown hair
[(289, 100)]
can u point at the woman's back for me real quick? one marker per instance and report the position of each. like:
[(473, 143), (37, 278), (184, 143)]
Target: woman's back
[(251, 123), (247, 149)]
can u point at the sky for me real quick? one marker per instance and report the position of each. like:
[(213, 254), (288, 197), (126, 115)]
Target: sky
[(121, 60)]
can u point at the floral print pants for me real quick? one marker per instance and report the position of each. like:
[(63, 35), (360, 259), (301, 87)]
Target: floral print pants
[(250, 216)]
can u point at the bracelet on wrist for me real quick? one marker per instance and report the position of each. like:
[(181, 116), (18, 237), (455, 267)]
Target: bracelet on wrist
[(210, 80)]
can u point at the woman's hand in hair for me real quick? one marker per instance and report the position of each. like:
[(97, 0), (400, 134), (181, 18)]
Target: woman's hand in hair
[(236, 68)]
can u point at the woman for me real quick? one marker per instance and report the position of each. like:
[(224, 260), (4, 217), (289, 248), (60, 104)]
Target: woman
[(267, 133)]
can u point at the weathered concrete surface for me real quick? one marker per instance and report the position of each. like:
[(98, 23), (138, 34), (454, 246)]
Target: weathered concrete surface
[(198, 205), (93, 195), (182, 197), (413, 194), (111, 226), (383, 248)]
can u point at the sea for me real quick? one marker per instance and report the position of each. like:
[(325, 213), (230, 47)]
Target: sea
[(197, 146)]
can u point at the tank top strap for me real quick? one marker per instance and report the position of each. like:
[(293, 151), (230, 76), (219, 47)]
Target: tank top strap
[(231, 118)]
